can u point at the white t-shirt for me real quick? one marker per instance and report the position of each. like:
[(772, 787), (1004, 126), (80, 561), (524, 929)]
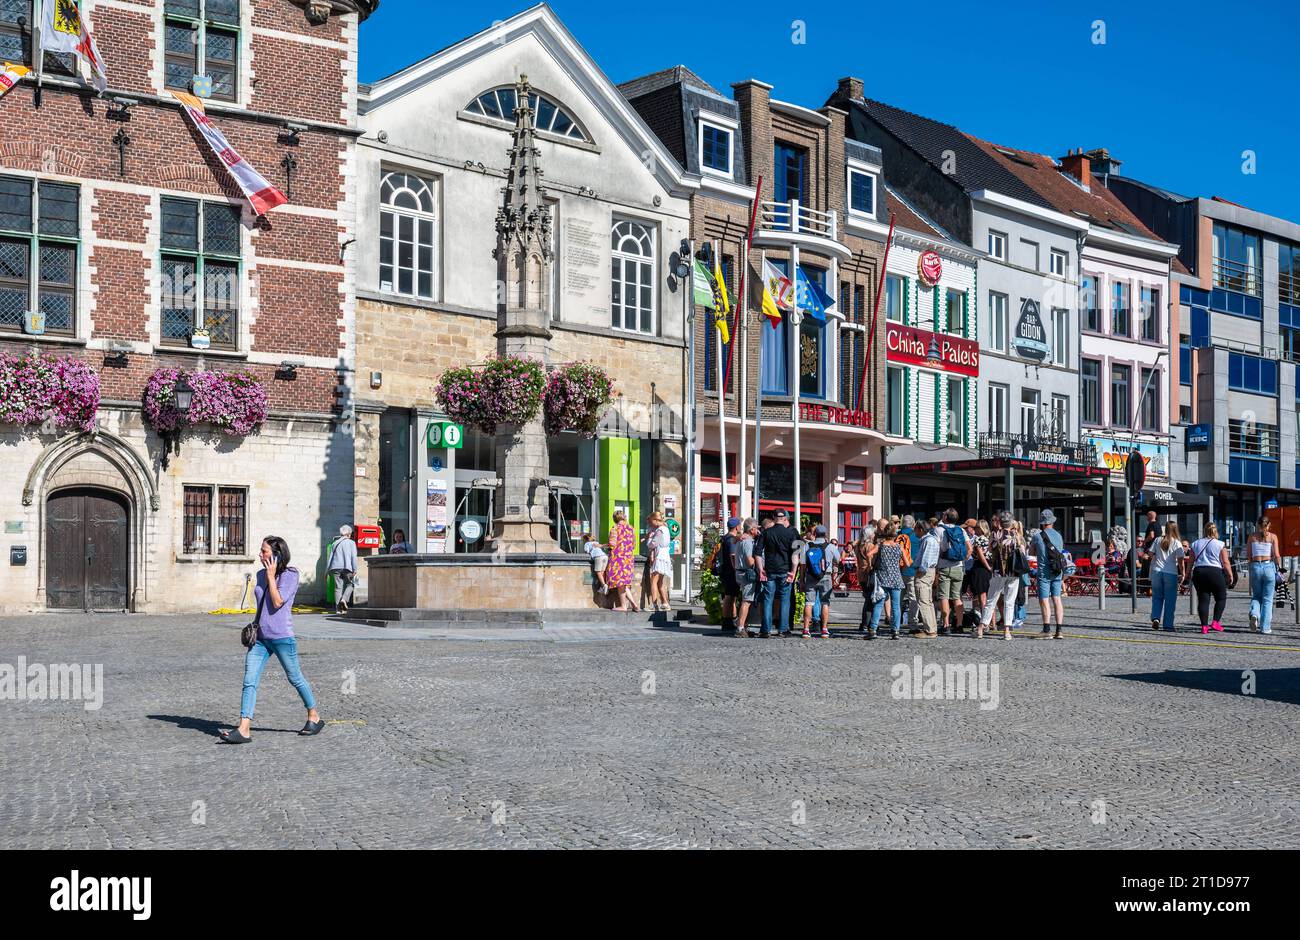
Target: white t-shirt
[(1207, 553), (1166, 562)]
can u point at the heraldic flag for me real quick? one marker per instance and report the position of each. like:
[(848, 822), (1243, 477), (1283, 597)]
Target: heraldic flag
[(262, 196), (777, 293), (65, 31), (10, 76)]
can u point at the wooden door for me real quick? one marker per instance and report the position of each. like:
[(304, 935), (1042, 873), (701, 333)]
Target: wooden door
[(86, 551)]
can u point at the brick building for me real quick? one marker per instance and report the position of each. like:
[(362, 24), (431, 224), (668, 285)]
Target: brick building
[(821, 206), (115, 219)]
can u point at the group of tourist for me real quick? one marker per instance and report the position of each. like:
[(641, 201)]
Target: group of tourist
[(914, 575)]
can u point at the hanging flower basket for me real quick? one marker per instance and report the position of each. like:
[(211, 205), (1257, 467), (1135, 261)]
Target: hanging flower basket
[(37, 389), (577, 397), (508, 390), (234, 403)]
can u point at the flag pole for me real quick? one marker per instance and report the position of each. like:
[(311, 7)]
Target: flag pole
[(875, 309), (795, 320), (742, 328), (722, 412), (758, 414)]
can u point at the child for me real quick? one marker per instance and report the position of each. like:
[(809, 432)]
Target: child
[(599, 560)]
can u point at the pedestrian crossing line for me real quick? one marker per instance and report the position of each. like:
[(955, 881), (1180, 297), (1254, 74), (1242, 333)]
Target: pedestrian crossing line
[(1133, 639)]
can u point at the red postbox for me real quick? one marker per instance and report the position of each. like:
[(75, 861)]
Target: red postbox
[(368, 536)]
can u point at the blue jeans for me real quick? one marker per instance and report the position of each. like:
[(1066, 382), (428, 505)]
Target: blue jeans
[(895, 598), (285, 650), (1164, 597), (1263, 585), (777, 586), (1021, 595)]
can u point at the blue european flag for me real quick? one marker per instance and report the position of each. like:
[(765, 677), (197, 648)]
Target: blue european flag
[(813, 299)]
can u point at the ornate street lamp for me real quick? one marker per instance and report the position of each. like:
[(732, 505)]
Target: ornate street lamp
[(172, 439)]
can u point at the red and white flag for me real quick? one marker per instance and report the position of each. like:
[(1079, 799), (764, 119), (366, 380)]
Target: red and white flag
[(262, 196), (10, 75), (66, 31)]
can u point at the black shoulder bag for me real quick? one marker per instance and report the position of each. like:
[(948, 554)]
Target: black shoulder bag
[(248, 636)]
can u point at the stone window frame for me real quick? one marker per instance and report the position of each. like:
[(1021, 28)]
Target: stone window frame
[(199, 26), (200, 259), (419, 217), (652, 257), (213, 550), (38, 239)]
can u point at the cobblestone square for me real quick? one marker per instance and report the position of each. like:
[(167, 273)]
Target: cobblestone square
[(660, 738)]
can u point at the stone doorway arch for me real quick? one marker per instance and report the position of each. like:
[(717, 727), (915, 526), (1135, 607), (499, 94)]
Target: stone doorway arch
[(102, 462)]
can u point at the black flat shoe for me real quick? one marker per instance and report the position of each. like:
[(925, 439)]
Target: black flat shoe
[(234, 737), (313, 727)]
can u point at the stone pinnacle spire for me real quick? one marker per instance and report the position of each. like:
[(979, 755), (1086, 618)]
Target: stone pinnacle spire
[(524, 220)]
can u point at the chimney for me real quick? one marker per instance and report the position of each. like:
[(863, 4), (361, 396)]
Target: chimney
[(1078, 165), (1103, 162), (851, 88)]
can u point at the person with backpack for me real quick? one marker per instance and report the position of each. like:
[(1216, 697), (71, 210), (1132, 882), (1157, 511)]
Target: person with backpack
[(817, 571), (910, 543), (954, 549), (723, 567), (1049, 550), (746, 574)]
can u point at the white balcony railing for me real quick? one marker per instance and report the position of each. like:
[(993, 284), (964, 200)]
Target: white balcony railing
[(793, 217)]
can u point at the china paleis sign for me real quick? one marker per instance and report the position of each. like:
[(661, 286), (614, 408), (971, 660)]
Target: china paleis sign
[(931, 350)]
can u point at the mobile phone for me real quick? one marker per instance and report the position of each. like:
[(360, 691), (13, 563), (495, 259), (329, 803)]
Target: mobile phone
[(275, 560)]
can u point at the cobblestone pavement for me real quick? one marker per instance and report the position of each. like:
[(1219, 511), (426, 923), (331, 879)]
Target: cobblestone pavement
[(1113, 737)]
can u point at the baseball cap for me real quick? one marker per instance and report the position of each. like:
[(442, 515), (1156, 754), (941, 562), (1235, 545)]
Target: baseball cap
[(781, 514), (733, 522), (820, 531), (971, 523)]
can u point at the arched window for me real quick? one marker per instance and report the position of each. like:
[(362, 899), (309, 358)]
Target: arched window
[(407, 235), (548, 115), (632, 281)]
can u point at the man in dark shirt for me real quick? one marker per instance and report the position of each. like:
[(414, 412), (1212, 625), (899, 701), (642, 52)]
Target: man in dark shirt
[(774, 557), (1148, 542), (727, 573)]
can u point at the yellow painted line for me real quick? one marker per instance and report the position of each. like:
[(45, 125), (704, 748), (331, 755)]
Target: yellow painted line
[(1164, 642), (344, 721), (229, 611)]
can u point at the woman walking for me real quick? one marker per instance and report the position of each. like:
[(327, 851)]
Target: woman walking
[(1265, 561), (864, 550), (277, 584), (660, 560), (1212, 575), (1004, 581), (888, 558), (1167, 560), (622, 562)]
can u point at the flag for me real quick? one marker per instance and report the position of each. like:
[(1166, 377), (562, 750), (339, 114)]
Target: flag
[(262, 196), (776, 293), (813, 298), (702, 286), (722, 303), (10, 76), (65, 31)]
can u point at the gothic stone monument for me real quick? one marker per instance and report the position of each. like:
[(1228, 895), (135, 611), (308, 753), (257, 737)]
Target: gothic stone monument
[(524, 578)]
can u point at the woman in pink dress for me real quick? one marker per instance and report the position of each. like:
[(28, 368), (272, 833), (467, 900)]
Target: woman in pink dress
[(622, 555)]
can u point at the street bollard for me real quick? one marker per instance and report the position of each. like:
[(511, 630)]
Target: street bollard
[(1101, 587)]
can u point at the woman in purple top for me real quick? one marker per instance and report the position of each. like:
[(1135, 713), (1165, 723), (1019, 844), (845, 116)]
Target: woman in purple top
[(274, 604)]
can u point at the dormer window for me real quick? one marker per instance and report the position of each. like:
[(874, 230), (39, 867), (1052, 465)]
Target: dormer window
[(862, 192), (715, 148), (549, 117)]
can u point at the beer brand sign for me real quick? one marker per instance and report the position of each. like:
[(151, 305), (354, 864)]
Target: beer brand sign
[(930, 267), (931, 350)]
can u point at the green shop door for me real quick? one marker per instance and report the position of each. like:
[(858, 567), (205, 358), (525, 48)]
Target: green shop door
[(619, 475)]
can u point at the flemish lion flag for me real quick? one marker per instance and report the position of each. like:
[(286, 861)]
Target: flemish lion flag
[(721, 303), (65, 31), (10, 76), (262, 196)]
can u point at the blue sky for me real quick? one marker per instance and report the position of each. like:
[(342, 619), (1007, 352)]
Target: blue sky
[(1178, 91)]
